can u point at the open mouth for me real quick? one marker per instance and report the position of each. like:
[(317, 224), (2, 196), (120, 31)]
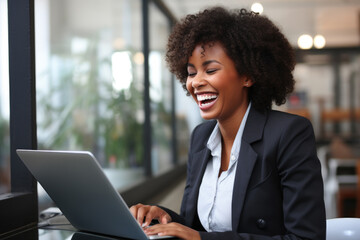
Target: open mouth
[(206, 99)]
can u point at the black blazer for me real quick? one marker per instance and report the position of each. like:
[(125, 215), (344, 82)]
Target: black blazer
[(278, 189)]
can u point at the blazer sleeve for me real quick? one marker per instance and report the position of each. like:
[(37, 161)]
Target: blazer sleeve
[(302, 185)]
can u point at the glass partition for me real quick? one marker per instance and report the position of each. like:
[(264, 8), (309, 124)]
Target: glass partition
[(90, 82), (4, 101), (160, 92)]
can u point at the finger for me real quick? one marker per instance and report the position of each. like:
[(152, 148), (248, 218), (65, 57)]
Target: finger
[(165, 218), (161, 228), (153, 213), (141, 213), (133, 210), (173, 229)]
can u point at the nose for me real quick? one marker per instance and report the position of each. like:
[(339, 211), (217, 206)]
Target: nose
[(198, 81)]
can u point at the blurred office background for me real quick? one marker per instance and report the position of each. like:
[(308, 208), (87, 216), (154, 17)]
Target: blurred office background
[(102, 85)]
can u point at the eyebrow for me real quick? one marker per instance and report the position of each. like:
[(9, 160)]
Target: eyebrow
[(204, 63)]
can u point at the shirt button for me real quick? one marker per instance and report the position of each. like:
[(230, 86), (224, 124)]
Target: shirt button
[(261, 223), (232, 157)]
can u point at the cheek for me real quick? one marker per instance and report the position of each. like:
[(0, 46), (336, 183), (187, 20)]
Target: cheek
[(190, 89), (189, 86)]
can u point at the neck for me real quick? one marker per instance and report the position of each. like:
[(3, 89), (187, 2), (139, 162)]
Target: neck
[(230, 126), (229, 131)]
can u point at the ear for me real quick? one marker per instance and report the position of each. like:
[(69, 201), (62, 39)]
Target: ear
[(248, 82)]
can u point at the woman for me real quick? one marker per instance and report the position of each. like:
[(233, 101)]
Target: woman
[(252, 172)]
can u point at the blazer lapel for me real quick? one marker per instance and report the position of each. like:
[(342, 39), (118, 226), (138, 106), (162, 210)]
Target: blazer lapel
[(201, 159), (246, 162), (245, 165)]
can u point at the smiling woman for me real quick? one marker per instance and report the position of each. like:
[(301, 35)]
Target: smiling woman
[(253, 172)]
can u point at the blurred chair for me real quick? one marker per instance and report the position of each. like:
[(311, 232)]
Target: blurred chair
[(330, 182), (323, 155), (344, 186), (358, 190), (343, 228), (342, 182)]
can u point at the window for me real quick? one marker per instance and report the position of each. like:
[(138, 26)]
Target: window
[(91, 86), (90, 82), (160, 93), (4, 102), (90, 94)]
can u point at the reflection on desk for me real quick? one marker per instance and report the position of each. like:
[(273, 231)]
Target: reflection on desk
[(57, 227), (59, 232), (56, 234), (40, 234)]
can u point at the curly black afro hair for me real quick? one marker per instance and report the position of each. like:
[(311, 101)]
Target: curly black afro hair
[(257, 47)]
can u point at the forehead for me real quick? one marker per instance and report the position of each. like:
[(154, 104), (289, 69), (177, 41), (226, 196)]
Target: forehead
[(208, 49), (209, 52)]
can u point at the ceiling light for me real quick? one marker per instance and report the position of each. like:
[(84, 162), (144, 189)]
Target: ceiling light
[(305, 41), (319, 41), (257, 7)]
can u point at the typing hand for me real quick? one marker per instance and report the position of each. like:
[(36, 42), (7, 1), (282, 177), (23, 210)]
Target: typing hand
[(173, 229), (148, 212)]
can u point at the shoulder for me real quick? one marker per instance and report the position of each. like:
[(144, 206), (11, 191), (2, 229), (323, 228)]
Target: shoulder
[(289, 131), (272, 123), (280, 115), (284, 120)]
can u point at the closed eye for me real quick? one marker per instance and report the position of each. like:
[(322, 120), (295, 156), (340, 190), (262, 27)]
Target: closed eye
[(211, 71), (191, 74)]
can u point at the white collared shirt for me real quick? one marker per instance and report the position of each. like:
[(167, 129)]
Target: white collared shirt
[(215, 193)]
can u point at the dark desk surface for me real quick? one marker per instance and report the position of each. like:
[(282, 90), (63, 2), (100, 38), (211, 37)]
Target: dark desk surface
[(57, 234), (57, 228)]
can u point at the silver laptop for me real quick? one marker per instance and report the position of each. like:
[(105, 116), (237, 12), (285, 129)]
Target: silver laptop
[(76, 183)]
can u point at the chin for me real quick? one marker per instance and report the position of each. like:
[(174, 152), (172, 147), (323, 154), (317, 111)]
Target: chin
[(207, 116)]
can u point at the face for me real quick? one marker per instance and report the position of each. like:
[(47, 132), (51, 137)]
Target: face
[(214, 83)]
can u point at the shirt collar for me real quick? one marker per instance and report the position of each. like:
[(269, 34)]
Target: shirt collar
[(235, 150), (214, 142)]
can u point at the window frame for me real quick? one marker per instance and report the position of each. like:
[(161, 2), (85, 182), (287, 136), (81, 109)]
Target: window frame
[(19, 208)]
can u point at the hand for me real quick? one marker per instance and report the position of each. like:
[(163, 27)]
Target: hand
[(140, 211), (173, 229)]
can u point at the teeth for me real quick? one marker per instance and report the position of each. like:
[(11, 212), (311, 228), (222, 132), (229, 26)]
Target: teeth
[(204, 97), (204, 104)]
